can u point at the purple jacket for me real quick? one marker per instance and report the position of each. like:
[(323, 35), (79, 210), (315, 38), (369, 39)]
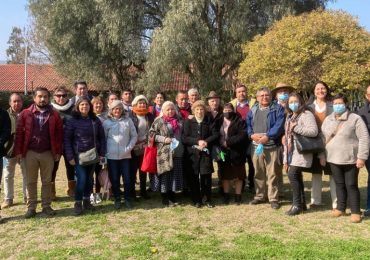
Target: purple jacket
[(79, 137)]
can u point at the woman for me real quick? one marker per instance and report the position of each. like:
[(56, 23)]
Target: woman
[(64, 106), (159, 99), (142, 119), (121, 137), (83, 132), (99, 110), (321, 107), (167, 129), (233, 140), (347, 149), (299, 121), (199, 136)]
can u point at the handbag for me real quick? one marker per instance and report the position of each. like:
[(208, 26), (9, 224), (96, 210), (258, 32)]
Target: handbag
[(150, 157), (90, 156), (104, 181), (307, 144)]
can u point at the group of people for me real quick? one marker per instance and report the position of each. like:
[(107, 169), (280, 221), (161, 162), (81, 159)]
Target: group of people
[(262, 134)]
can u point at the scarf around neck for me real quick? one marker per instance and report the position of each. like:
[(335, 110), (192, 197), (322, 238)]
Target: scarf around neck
[(140, 111)]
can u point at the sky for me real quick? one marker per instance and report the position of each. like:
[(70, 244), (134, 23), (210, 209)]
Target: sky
[(14, 13)]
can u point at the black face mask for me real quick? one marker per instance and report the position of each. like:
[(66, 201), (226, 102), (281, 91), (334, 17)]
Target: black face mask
[(228, 115)]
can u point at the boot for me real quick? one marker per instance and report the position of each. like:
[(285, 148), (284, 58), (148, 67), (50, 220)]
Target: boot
[(165, 200), (71, 188), (355, 218), (78, 208), (87, 205), (53, 195), (238, 199), (172, 198), (226, 198)]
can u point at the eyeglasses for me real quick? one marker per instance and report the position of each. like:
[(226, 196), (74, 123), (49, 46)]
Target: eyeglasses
[(60, 95)]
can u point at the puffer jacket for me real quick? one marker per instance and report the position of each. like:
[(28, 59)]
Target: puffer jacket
[(79, 136), (121, 137)]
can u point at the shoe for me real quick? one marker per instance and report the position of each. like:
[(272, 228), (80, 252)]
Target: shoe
[(355, 218), (117, 204), (275, 205), (87, 205), (315, 206), (255, 202), (238, 199), (53, 194), (367, 213), (197, 205), (78, 208), (294, 210), (92, 198), (49, 211), (209, 204), (128, 204), (30, 213), (7, 204), (71, 189), (337, 213), (304, 207), (98, 198), (226, 198)]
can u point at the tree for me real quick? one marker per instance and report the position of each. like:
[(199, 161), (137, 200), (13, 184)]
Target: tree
[(101, 41), (328, 46), (204, 38), (16, 49)]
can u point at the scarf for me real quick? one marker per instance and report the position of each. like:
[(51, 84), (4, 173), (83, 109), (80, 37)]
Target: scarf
[(173, 122), (140, 111)]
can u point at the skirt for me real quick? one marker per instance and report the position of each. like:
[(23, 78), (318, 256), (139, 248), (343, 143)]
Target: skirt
[(232, 172)]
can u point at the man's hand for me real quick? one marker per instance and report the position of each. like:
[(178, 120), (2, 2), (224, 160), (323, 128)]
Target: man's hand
[(202, 144), (264, 139), (360, 163), (72, 162), (256, 137)]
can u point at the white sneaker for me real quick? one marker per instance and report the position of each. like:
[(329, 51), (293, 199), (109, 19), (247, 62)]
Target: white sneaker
[(97, 198), (92, 198)]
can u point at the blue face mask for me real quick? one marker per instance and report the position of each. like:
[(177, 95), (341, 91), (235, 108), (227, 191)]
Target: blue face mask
[(283, 97), (293, 106), (339, 108)]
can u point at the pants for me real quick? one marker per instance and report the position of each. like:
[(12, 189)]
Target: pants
[(200, 186), (266, 182), (368, 184), (316, 190), (251, 172), (84, 181), (296, 181), (70, 170), (116, 169), (35, 162), (95, 180), (9, 172), (135, 164), (346, 181)]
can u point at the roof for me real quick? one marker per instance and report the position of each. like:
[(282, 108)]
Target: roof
[(180, 81), (12, 77)]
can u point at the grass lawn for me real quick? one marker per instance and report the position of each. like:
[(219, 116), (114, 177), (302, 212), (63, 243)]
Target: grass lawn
[(149, 231)]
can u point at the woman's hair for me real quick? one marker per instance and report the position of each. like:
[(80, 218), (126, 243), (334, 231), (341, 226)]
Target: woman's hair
[(302, 106), (160, 93), (340, 96), (76, 112), (229, 105), (166, 104), (60, 89), (328, 91)]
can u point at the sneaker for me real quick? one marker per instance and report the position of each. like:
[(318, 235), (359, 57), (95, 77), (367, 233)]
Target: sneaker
[(7, 204), (30, 213), (48, 211), (98, 198), (275, 205), (92, 198)]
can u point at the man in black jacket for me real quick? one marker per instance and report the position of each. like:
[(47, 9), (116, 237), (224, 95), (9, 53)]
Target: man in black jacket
[(364, 112)]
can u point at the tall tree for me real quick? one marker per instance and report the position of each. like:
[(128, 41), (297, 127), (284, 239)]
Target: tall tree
[(16, 49), (203, 38), (329, 46)]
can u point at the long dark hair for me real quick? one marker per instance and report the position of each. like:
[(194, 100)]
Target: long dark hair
[(76, 112)]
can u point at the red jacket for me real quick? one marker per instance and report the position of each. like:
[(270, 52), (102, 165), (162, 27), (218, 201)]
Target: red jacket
[(24, 131)]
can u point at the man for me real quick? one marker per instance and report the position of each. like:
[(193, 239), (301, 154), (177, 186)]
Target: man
[(16, 105), (182, 105), (81, 90), (5, 129), (265, 124), (242, 106), (126, 99), (38, 141), (364, 112), (193, 95)]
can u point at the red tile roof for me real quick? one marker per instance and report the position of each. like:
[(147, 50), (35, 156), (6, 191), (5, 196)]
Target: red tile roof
[(12, 77), (181, 81)]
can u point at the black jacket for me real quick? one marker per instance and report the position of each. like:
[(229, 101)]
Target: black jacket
[(364, 112), (5, 129), (193, 132), (237, 141)]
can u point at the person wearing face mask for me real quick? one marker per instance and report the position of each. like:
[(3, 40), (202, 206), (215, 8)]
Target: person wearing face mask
[(347, 149), (299, 121), (233, 140)]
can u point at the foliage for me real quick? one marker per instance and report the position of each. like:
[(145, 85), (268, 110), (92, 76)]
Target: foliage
[(101, 41), (322, 45), (17, 48), (203, 38)]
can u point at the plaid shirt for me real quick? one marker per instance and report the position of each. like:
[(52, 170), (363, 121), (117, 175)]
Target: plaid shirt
[(41, 116)]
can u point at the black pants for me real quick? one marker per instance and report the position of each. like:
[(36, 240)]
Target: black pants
[(96, 182), (296, 181), (135, 164), (70, 170), (200, 186), (346, 181), (250, 172)]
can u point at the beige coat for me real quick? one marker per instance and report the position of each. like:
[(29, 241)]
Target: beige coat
[(351, 141)]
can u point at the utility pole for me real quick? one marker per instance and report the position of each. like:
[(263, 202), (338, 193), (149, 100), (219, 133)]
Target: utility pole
[(25, 69)]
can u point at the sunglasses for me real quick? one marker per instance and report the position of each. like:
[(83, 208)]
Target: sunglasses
[(60, 95)]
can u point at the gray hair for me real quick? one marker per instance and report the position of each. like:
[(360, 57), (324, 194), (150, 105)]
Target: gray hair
[(263, 89), (193, 90)]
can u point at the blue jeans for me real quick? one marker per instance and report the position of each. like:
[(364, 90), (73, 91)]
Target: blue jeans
[(367, 164), (84, 181), (116, 169)]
